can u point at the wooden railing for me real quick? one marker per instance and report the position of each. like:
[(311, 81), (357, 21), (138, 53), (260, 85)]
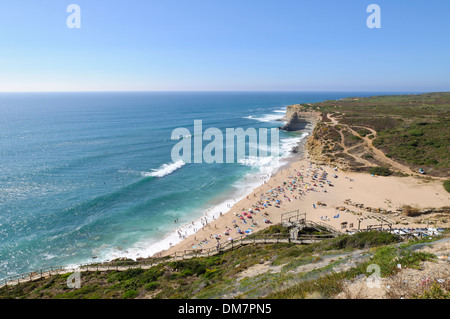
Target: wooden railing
[(292, 217), (327, 227), (150, 262)]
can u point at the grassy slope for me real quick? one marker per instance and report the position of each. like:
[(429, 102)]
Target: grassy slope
[(216, 277), (412, 129)]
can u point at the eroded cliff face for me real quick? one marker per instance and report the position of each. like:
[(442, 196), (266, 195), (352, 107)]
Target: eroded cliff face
[(322, 151), (315, 146), (298, 118)]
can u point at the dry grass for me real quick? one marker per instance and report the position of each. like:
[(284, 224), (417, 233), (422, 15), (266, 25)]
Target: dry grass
[(355, 293), (411, 211), (405, 286)]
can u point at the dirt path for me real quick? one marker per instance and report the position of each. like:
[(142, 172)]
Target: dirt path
[(368, 143)]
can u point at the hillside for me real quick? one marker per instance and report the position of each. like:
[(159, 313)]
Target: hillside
[(328, 269), (397, 134)]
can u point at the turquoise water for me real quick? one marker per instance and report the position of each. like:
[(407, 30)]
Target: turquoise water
[(88, 176)]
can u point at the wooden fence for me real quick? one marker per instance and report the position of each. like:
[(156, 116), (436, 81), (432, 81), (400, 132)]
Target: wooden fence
[(150, 262)]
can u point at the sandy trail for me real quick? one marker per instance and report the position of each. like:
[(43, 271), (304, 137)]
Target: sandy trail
[(368, 143)]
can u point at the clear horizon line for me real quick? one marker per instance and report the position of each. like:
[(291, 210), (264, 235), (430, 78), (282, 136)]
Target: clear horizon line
[(229, 91)]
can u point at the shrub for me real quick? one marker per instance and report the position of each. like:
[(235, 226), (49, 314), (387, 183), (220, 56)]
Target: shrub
[(189, 267), (413, 259), (363, 132), (152, 274), (324, 286), (212, 273), (415, 133), (382, 171), (410, 211), (275, 229), (364, 240), (435, 292), (152, 286), (130, 294), (447, 185), (125, 275)]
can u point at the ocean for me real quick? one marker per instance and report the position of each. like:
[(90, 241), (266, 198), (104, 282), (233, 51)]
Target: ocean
[(89, 177)]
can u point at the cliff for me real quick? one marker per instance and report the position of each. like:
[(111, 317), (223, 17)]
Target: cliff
[(301, 117), (298, 118), (398, 134)]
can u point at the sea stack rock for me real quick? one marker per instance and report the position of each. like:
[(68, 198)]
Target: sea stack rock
[(294, 123), (298, 118)]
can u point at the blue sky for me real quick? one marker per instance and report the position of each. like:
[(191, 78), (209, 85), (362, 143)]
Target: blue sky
[(225, 45)]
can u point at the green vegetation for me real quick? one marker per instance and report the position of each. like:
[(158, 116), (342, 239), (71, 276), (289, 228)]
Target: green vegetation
[(363, 132), (387, 258), (274, 230), (364, 240), (130, 294), (410, 128), (435, 292), (447, 185), (381, 171), (219, 276)]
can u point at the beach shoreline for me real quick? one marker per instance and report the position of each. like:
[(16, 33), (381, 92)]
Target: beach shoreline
[(347, 201), (296, 153), (291, 148)]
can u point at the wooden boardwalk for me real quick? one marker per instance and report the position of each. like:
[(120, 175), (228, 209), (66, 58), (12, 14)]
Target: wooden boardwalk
[(151, 262)]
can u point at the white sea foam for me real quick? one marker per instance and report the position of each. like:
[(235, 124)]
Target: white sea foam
[(269, 164), (267, 118), (183, 136), (49, 256), (150, 247), (288, 144), (276, 116), (265, 166), (256, 161), (165, 169)]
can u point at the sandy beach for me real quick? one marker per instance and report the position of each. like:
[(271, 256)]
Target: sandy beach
[(344, 200)]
